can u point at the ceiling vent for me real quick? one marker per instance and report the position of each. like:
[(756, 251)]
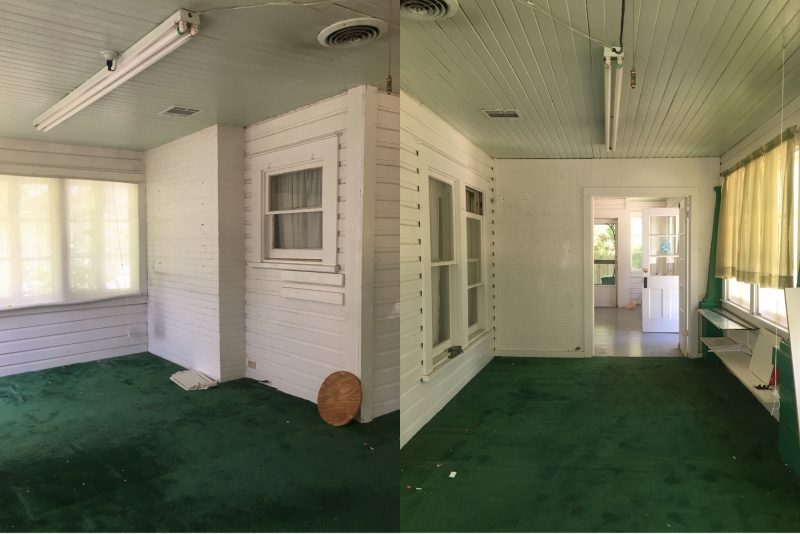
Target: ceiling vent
[(501, 113), (428, 10), (352, 32), (178, 111)]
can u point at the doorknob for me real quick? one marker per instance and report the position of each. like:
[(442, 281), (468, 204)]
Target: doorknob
[(645, 271)]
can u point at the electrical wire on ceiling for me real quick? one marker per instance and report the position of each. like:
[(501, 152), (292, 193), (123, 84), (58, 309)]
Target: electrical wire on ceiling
[(567, 25), (302, 3)]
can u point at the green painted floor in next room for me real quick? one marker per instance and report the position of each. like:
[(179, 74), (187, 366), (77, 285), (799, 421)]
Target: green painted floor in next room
[(115, 446), (599, 444)]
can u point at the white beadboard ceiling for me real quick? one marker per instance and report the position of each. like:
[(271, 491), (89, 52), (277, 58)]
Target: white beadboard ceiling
[(709, 73), (244, 66)]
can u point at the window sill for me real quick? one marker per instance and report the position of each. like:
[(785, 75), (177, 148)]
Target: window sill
[(117, 300), (756, 320), (288, 265)]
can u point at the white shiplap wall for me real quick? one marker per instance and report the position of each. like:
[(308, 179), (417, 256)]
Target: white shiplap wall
[(420, 401), (385, 310), (295, 343), (540, 241), (50, 336), (194, 261)]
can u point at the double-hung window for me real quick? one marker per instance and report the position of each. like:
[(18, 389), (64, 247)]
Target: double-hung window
[(67, 240), (297, 190), (475, 282), (443, 262)]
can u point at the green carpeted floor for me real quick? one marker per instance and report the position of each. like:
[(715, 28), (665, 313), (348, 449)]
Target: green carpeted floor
[(115, 446), (599, 444)]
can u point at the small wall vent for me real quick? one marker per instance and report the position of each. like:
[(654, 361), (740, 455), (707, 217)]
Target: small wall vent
[(428, 10), (501, 113), (178, 111), (352, 32)]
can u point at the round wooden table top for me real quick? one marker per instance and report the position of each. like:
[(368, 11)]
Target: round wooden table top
[(339, 398)]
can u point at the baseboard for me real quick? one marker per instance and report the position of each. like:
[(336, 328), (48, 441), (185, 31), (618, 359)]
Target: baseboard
[(538, 353)]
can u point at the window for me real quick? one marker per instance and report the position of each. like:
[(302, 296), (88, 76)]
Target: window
[(605, 253), (442, 259), (298, 192), (475, 283), (67, 240), (772, 305), (739, 293), (636, 242)]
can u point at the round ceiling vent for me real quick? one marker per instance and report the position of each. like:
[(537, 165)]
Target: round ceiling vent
[(428, 9), (352, 32)]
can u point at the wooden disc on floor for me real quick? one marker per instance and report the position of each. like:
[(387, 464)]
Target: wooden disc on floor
[(339, 398)]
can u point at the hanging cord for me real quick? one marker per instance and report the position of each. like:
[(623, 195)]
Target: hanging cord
[(573, 29), (633, 51), (389, 75), (775, 395)]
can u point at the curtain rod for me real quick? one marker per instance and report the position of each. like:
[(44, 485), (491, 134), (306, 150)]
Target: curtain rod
[(787, 134)]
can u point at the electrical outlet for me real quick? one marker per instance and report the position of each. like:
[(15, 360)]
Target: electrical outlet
[(251, 364)]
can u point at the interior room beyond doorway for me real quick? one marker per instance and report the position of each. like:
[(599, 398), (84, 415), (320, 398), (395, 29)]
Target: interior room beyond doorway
[(635, 241)]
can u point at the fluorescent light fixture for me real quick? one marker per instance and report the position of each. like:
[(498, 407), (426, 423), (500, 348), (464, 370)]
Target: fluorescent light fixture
[(612, 116), (174, 32)]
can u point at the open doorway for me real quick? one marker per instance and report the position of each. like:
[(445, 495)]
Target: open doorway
[(639, 272)]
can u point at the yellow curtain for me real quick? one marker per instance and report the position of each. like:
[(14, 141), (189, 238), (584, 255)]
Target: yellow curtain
[(756, 242)]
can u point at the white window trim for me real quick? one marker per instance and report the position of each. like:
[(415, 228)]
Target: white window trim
[(433, 355), (319, 153), (751, 315), (480, 326)]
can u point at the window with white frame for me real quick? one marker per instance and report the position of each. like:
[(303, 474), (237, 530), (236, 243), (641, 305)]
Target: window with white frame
[(475, 282), (298, 192), (443, 262), (761, 302), (67, 240)]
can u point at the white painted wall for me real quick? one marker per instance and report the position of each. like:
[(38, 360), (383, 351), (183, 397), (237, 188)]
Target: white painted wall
[(385, 258), (50, 336), (297, 338), (195, 251), (540, 241), (420, 401)]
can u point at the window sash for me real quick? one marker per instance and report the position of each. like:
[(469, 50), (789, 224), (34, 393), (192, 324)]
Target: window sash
[(101, 224)]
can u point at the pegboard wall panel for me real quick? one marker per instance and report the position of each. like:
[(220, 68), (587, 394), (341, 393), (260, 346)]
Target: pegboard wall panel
[(539, 292), (538, 257)]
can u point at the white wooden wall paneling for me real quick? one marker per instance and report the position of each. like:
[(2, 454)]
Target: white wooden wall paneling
[(420, 401)]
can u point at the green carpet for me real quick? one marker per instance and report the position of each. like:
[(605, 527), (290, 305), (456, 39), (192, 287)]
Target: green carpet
[(115, 446), (599, 444)]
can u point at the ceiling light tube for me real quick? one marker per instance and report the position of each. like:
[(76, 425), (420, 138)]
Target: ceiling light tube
[(617, 99), (607, 113), (174, 32)]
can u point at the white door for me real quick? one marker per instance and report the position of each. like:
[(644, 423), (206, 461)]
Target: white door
[(660, 306)]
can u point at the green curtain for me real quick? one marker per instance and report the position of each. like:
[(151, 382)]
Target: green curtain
[(758, 220)]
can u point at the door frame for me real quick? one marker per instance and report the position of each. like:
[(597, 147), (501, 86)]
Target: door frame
[(589, 193)]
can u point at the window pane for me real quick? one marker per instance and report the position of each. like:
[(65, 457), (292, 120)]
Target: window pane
[(297, 230), (636, 243), (101, 231), (296, 190), (440, 303), (739, 293), (441, 213), (473, 251), (772, 305), (474, 201), (472, 306), (35, 229)]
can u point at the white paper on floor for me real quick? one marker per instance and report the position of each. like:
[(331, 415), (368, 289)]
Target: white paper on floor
[(192, 380)]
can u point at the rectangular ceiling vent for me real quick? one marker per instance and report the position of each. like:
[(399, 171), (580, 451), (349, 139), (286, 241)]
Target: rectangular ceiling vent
[(178, 111), (501, 113)]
